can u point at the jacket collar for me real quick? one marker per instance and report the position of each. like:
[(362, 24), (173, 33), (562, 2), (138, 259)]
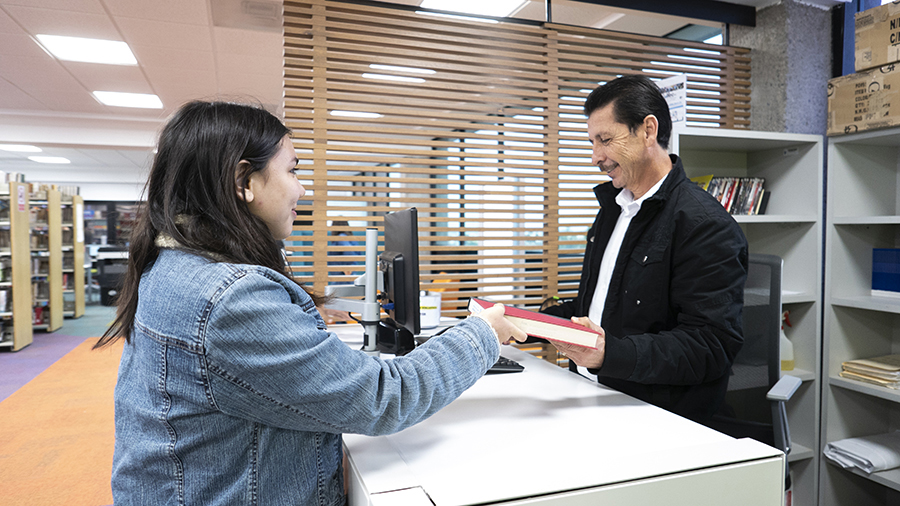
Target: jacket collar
[(166, 241), (606, 193)]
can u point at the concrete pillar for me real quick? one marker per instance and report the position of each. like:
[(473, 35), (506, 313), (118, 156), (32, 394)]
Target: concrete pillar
[(791, 66)]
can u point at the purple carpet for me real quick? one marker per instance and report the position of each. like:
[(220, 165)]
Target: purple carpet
[(19, 367)]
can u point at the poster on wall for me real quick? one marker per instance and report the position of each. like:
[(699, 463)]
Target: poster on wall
[(674, 89)]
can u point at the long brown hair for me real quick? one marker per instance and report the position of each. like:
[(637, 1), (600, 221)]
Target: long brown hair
[(192, 196)]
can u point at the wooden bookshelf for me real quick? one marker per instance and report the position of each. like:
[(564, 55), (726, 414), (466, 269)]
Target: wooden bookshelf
[(17, 315), (73, 256)]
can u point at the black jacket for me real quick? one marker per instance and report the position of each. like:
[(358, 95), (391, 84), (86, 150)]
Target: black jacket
[(673, 311)]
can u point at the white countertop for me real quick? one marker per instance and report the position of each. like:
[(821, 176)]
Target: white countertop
[(541, 431)]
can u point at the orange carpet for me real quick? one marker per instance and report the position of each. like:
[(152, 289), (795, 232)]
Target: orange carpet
[(57, 439)]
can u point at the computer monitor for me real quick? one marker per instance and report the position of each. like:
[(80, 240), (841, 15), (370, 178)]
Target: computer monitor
[(399, 264)]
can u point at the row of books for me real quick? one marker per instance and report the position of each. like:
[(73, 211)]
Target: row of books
[(739, 195), (883, 371)]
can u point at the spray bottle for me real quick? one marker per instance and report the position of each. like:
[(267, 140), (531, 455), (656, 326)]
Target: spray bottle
[(787, 348)]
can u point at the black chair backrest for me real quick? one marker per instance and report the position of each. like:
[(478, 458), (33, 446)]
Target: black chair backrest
[(757, 367), (758, 364)]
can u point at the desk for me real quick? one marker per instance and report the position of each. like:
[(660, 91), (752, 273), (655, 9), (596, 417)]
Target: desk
[(502, 440)]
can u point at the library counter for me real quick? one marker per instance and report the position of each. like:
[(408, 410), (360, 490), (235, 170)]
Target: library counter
[(548, 436)]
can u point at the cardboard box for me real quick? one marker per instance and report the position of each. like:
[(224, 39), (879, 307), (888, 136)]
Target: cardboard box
[(864, 101), (877, 36)]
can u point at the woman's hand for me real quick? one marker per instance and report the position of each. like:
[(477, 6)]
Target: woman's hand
[(333, 315), (506, 331)]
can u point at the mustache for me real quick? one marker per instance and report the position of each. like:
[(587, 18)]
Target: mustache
[(606, 167)]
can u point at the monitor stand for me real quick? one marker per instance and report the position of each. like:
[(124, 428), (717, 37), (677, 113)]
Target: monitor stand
[(394, 339), (368, 286)]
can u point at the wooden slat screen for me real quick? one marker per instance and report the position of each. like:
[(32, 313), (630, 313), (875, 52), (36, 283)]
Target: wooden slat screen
[(718, 96), (478, 125)]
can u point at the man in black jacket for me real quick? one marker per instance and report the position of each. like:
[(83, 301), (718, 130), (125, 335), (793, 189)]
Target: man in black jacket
[(664, 266)]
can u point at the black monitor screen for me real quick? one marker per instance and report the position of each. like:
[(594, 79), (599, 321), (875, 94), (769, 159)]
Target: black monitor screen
[(400, 264)]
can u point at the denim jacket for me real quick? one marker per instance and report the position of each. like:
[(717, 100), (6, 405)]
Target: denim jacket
[(232, 391)]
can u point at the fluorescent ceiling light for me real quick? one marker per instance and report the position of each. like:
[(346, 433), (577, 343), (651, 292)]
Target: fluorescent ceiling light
[(118, 99), (20, 148), (49, 159), (402, 79), (356, 114), (496, 8), (461, 18), (608, 20), (394, 68), (112, 52)]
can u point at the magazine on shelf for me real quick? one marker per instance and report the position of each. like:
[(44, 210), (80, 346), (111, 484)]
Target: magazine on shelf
[(882, 370)]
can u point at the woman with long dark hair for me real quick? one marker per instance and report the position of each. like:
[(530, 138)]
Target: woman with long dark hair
[(231, 390)]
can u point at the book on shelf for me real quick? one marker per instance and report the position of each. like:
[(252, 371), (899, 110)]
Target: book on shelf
[(702, 181), (885, 272), (739, 195), (544, 326), (882, 370)]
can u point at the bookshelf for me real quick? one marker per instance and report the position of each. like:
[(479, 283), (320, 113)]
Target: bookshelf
[(46, 259), (863, 212), (15, 255), (791, 229), (72, 214)]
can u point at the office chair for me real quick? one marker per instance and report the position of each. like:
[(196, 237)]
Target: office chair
[(756, 397)]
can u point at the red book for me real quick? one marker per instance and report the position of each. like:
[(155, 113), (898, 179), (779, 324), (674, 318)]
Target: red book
[(552, 328)]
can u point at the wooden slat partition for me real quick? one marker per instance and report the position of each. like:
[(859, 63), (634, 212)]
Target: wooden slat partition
[(484, 136)]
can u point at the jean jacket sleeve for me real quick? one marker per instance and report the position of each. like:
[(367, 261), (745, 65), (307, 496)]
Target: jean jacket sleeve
[(271, 360)]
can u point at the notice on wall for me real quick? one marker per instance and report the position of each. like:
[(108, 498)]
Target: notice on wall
[(674, 89)]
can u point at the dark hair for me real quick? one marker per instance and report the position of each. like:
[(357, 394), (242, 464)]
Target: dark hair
[(634, 97), (192, 195)]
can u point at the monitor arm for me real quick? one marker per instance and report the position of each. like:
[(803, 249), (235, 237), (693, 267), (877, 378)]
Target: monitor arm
[(368, 286)]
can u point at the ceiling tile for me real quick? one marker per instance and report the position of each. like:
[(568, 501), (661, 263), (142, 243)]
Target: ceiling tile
[(90, 6), (240, 63), (185, 11), (123, 78), (72, 101), (109, 157), (161, 34), (70, 23), (35, 73), (7, 25), (249, 42), (174, 59), (265, 88), (12, 97), (19, 44), (138, 158), (176, 87)]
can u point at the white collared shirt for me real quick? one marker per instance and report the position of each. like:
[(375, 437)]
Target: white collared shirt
[(629, 208)]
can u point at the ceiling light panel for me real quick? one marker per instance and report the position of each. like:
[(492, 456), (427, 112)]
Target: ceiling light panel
[(111, 52), (137, 100), (496, 8), (49, 159), (20, 148)]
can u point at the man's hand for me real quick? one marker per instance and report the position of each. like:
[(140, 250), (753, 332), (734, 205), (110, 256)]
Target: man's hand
[(585, 357)]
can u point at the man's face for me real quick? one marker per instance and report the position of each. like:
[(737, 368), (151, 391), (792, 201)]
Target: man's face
[(616, 150)]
